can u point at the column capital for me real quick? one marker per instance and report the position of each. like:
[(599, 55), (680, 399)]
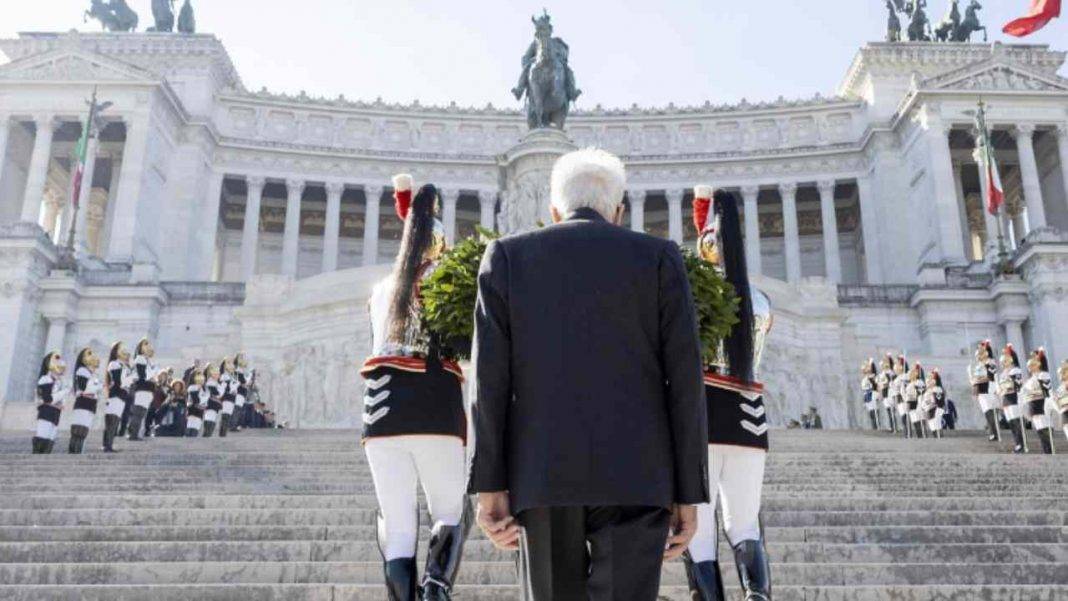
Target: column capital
[(373, 190), (1025, 130), (750, 191), (295, 185), (335, 188), (637, 196), (826, 187), (1062, 131), (485, 196), (449, 194), (675, 194), (44, 120), (788, 188), (255, 181)]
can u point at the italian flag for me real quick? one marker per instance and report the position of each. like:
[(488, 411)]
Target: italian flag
[(1040, 13), (995, 193), (80, 152)]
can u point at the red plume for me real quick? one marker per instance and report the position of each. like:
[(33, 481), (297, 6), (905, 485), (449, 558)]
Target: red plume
[(702, 202), (402, 194)]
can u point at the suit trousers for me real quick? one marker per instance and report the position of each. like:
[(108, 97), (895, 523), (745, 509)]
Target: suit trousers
[(602, 553)]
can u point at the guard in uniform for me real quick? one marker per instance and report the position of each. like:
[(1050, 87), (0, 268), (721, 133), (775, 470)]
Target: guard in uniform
[(869, 388), (414, 424), (1060, 398), (144, 387), (886, 376), (87, 390), (51, 392), (738, 428), (118, 379), (214, 393), (198, 402), (241, 407), (228, 386), (1009, 381), (897, 392), (913, 391), (933, 403), (1035, 391), (982, 376)]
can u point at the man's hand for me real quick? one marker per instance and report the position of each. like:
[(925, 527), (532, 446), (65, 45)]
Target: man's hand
[(496, 520), (683, 527)]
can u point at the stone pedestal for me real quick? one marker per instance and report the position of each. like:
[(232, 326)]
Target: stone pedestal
[(525, 171)]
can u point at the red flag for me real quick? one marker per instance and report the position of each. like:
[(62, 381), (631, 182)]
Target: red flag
[(1042, 11)]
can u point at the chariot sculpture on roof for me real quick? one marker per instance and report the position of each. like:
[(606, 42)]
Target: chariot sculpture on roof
[(952, 27)]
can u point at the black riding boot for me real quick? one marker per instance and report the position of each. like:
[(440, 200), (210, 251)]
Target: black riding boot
[(753, 572), (400, 579), (137, 416), (1045, 437), (891, 425), (706, 583), (442, 562), (1017, 436), (77, 439), (192, 433), (39, 445), (917, 430), (209, 427), (224, 424), (874, 420), (49, 445), (111, 427), (992, 425)]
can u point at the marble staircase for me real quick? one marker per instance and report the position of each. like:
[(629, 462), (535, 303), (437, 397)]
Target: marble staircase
[(273, 515)]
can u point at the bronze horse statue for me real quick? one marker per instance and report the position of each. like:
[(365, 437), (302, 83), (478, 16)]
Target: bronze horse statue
[(114, 15), (970, 24), (919, 25), (547, 80), (163, 14), (950, 24), (893, 24)]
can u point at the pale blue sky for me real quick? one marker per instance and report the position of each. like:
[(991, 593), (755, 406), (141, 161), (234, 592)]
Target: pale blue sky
[(468, 51)]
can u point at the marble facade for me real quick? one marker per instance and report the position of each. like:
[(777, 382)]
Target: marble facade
[(222, 218)]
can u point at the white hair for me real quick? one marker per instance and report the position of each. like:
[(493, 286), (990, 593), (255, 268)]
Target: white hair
[(590, 178)]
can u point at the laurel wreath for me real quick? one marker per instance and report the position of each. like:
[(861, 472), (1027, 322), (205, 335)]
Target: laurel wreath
[(449, 295)]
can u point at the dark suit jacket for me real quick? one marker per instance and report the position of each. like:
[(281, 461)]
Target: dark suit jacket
[(588, 362)]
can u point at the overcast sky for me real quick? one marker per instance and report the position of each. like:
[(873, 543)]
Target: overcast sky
[(623, 52)]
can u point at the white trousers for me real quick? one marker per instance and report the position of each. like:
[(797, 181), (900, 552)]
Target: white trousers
[(82, 417), (239, 400), (46, 429), (192, 422), (143, 398), (228, 408), (737, 475), (988, 402), (115, 406), (211, 415), (398, 465)]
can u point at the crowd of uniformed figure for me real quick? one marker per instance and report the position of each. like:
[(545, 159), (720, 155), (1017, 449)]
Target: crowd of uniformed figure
[(1012, 396), (141, 400)]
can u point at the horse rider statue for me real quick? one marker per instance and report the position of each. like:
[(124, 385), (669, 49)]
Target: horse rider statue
[(893, 23), (114, 15), (547, 80), (163, 13), (919, 25), (950, 24), (187, 23), (970, 24)]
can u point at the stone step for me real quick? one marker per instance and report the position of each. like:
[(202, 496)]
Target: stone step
[(473, 572), (363, 592), (482, 551)]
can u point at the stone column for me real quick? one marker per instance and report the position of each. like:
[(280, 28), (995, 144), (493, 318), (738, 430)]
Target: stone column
[(38, 172), (113, 199), (950, 236), (57, 339), (250, 234), (990, 222), (752, 229), (830, 231), (958, 187), (487, 201), (5, 127), (1032, 186), (370, 226), (449, 198), (637, 210), (291, 236), (53, 206), (332, 227), (81, 248), (791, 236), (94, 222), (1062, 146), (1014, 336), (204, 265), (123, 230), (674, 201), (869, 222)]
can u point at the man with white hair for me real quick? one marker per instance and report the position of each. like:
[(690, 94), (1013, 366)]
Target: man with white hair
[(590, 418)]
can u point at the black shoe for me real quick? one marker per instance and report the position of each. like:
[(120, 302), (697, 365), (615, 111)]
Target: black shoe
[(39, 445), (1017, 436), (49, 445), (110, 451), (704, 579), (442, 562), (751, 558), (1045, 437), (400, 579), (135, 438)]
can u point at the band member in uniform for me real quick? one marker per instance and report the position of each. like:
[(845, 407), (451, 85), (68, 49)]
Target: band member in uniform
[(214, 392), (144, 387), (415, 427), (228, 386), (87, 390), (1009, 381), (118, 379), (897, 392), (198, 402), (241, 406), (983, 376), (1035, 391), (51, 392), (172, 415), (933, 403), (738, 439), (913, 391), (869, 387), (886, 376), (1061, 396)]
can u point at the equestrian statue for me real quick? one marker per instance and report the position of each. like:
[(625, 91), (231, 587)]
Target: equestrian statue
[(547, 80)]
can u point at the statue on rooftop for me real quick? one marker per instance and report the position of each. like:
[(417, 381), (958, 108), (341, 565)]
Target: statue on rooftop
[(163, 13), (547, 80), (970, 24), (186, 21), (114, 15)]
